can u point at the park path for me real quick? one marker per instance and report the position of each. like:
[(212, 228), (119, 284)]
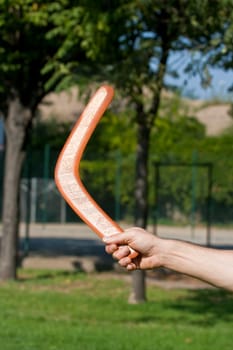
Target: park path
[(219, 236), (75, 246)]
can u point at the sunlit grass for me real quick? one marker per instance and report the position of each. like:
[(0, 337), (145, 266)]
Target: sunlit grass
[(58, 310)]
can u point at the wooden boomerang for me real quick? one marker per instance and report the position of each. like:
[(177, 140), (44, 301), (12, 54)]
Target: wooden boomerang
[(67, 168)]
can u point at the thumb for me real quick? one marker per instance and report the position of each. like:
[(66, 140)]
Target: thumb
[(119, 239)]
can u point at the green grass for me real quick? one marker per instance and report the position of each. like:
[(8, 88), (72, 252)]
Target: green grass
[(57, 310)]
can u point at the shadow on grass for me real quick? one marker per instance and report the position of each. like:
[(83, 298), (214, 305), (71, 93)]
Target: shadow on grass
[(169, 308), (209, 306), (201, 307)]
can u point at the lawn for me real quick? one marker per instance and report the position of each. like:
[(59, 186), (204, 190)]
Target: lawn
[(58, 310)]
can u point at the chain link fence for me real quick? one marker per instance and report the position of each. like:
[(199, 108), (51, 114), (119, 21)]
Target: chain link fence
[(40, 201), (180, 197)]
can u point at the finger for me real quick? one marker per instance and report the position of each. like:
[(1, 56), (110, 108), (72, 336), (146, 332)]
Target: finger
[(111, 248), (131, 267), (124, 262), (121, 252), (119, 239)]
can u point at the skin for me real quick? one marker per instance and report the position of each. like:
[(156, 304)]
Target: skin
[(210, 265)]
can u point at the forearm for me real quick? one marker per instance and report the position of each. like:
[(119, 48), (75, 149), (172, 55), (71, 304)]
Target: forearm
[(210, 265)]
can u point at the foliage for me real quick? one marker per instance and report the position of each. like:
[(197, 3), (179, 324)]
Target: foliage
[(178, 138), (218, 51), (147, 29), (54, 310), (114, 133), (49, 132), (41, 41), (219, 150), (109, 159), (174, 140), (150, 32), (222, 55), (38, 47), (108, 165)]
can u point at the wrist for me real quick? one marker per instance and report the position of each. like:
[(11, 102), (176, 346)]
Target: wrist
[(162, 250), (178, 256), (165, 252)]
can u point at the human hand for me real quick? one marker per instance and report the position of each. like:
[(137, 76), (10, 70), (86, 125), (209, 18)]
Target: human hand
[(145, 244)]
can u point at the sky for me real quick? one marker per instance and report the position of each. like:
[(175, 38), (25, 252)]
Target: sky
[(218, 88)]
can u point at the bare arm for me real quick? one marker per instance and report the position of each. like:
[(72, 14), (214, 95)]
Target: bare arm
[(211, 265)]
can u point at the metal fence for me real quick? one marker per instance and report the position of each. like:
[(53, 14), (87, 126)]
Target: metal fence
[(181, 196), (41, 202)]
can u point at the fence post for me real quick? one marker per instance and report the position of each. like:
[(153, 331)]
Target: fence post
[(62, 210), (118, 186), (28, 207), (33, 200), (46, 177), (156, 199)]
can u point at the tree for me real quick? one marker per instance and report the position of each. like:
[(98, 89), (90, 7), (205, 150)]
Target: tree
[(214, 49), (149, 32), (37, 45)]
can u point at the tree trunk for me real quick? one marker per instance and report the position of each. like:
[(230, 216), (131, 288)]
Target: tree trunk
[(138, 294), (16, 125)]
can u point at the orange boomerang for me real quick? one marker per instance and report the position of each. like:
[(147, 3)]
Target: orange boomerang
[(67, 176)]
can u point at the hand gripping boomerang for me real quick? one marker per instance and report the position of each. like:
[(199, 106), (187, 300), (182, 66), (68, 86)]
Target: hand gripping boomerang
[(67, 176)]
